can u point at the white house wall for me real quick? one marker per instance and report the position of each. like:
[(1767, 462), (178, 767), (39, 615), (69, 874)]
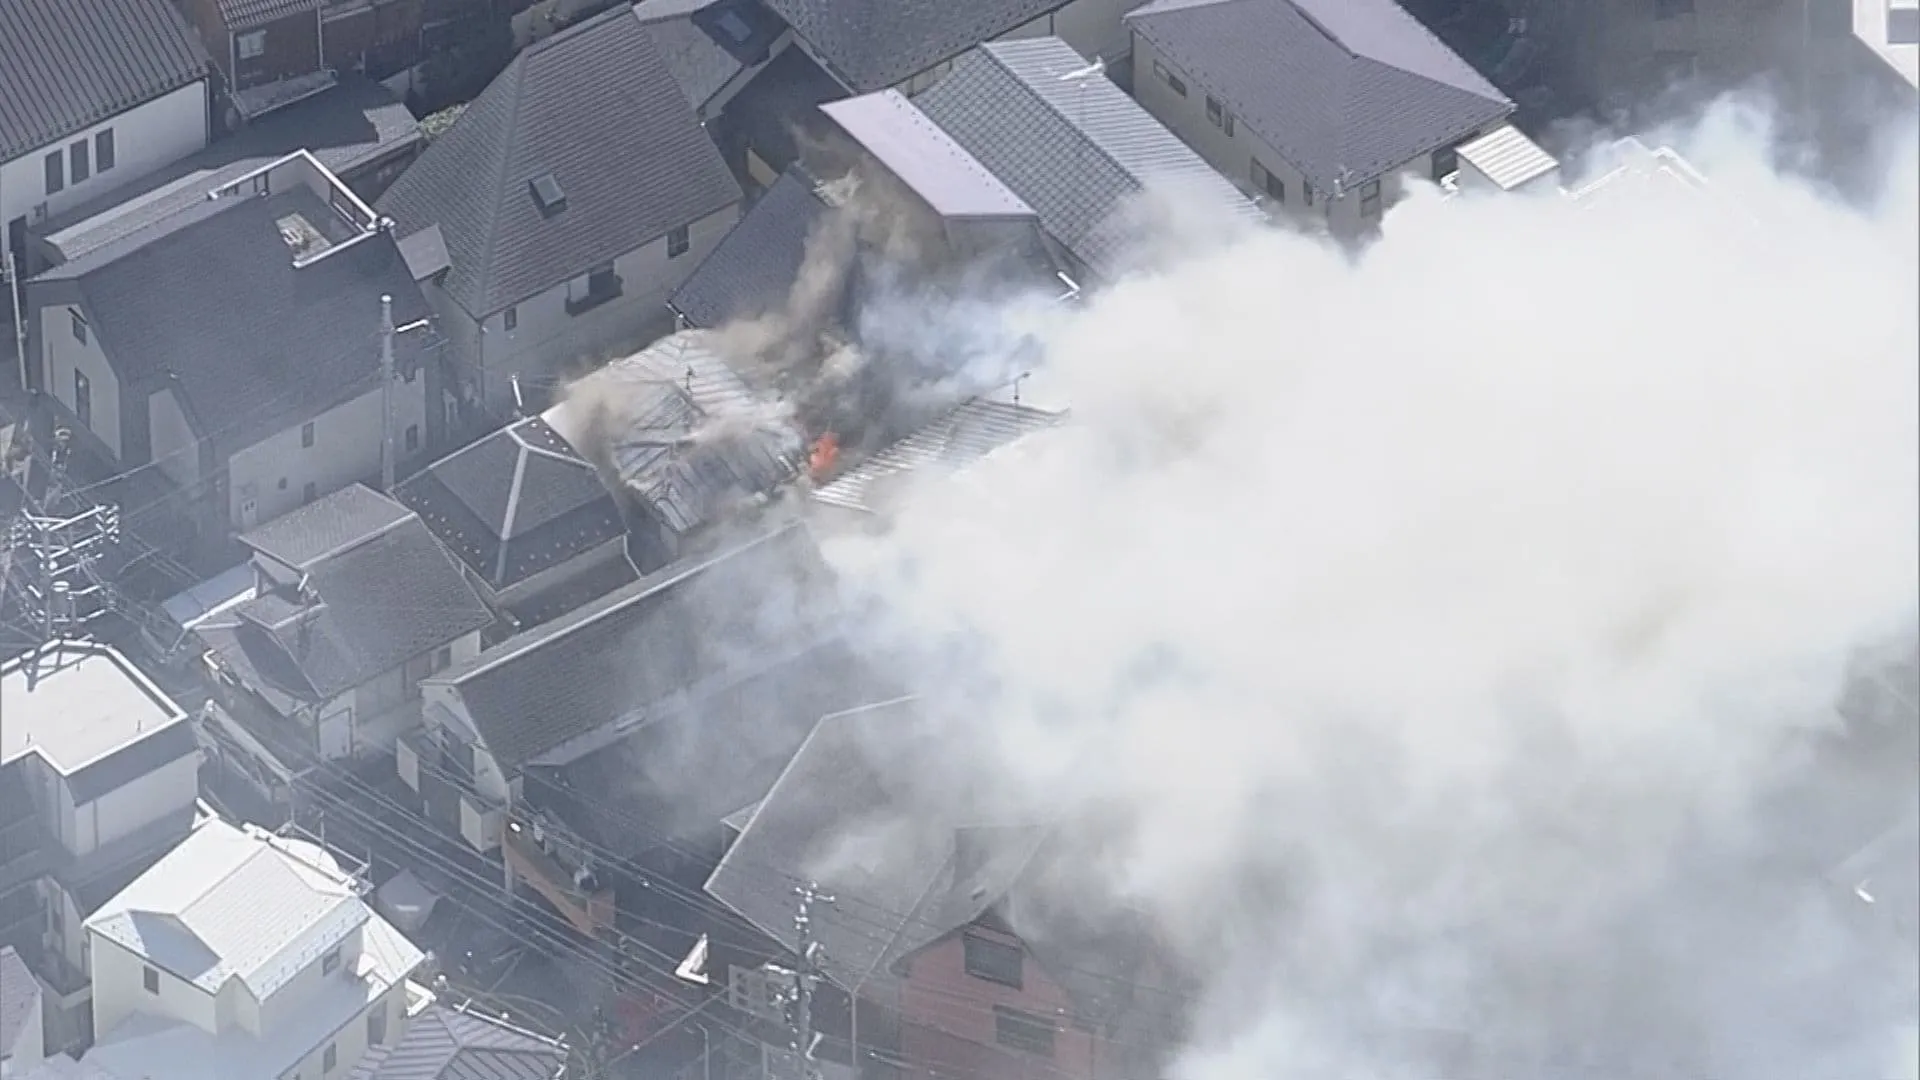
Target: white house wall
[(346, 448), (547, 341), (146, 138), (65, 354), (136, 804), (119, 992)]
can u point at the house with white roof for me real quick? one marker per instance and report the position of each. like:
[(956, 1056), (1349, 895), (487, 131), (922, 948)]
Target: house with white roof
[(242, 955)]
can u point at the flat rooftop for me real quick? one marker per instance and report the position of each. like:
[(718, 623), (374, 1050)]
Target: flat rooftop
[(86, 702)]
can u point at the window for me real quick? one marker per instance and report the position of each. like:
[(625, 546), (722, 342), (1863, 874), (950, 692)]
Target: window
[(309, 493), (1218, 113), (678, 243), (442, 658), (1370, 199), (56, 172), (1173, 81), (79, 325), (306, 435), (329, 963), (1446, 162), (329, 1058), (78, 164), (413, 437), (510, 319), (103, 151), (282, 486), (1669, 9), (1022, 1031), (251, 44), (377, 1024), (150, 979), (602, 285), (1903, 26), (83, 399), (1272, 186), (994, 961)]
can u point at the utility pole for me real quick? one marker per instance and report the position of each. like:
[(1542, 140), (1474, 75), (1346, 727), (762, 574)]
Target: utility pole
[(805, 977), (12, 274), (386, 393)]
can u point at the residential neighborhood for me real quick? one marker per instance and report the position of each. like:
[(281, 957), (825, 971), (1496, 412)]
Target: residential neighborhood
[(447, 443)]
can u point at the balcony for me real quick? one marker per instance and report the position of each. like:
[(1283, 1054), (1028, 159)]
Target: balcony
[(589, 910)]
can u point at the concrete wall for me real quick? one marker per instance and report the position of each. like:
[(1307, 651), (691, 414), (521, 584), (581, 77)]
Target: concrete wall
[(62, 354), (270, 477), (146, 138), (547, 341)]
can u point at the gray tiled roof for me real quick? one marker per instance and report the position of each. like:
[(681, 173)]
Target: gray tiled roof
[(1075, 151), (752, 269), (301, 537), (19, 1000), (515, 503), (634, 650), (391, 597), (355, 125), (864, 778), (66, 64), (873, 44), (445, 1043), (240, 14), (595, 107), (253, 343), (1345, 90), (705, 43)]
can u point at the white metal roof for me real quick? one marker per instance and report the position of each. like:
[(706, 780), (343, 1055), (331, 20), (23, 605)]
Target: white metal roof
[(926, 159), (1507, 157), (235, 903)]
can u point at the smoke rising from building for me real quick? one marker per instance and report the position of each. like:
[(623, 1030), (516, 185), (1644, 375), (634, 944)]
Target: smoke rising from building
[(1427, 638)]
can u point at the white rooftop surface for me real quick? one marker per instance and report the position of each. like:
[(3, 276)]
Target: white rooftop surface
[(234, 902), (154, 1048), (1636, 166), (1507, 157), (1870, 19), (86, 702), (925, 158)]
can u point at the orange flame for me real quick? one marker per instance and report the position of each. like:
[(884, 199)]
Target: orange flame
[(825, 452)]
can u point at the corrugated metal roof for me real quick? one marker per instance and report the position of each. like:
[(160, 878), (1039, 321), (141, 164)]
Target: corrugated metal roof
[(241, 14), (1507, 157), (925, 158), (970, 432)]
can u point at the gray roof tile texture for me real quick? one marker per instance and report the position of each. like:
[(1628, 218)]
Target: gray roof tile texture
[(596, 107), (1074, 150), (68, 64), (443, 1043), (273, 344), (752, 269), (240, 14), (1345, 90), (874, 44)]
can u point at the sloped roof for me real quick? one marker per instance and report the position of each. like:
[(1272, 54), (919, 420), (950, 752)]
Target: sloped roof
[(19, 1000), (444, 1043), (241, 14), (1345, 90), (233, 903), (705, 43), (620, 658), (970, 431), (272, 344), (752, 270), (515, 503), (66, 65), (595, 109), (874, 44), (304, 536), (1074, 150), (859, 811)]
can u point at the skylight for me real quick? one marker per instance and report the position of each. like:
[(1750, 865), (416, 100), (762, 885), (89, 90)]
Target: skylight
[(547, 194)]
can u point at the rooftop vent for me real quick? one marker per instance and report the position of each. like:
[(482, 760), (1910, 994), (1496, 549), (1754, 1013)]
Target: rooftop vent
[(301, 236), (547, 194)]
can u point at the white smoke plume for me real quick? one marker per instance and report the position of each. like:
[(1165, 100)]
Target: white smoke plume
[(1424, 635)]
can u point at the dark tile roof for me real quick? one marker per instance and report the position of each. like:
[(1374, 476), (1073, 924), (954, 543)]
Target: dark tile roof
[(240, 14), (874, 44), (705, 43), (368, 607), (865, 777), (19, 1000), (253, 342), (66, 65), (753, 268), (781, 101), (534, 695), (353, 126), (515, 503), (445, 1043), (596, 109), (1345, 90), (304, 536), (1076, 151)]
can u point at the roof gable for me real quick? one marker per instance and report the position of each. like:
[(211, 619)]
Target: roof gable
[(65, 65), (875, 44), (574, 107), (1346, 90)]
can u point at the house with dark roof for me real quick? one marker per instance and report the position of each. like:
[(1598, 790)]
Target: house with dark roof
[(1074, 146), (359, 131), (454, 1042), (529, 518), (354, 602), (269, 52), (236, 346), (571, 197), (1318, 106), (93, 96), (99, 777), (935, 895)]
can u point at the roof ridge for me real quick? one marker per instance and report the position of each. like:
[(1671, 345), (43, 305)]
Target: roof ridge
[(509, 80), (506, 516), (1048, 103)]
